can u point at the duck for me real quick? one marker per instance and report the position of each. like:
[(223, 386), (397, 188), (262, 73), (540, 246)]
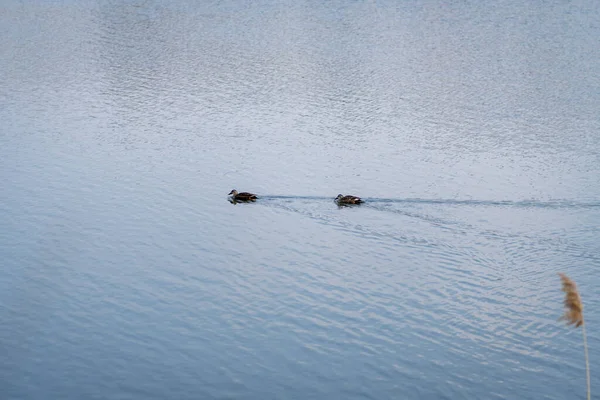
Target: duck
[(348, 199), (243, 196)]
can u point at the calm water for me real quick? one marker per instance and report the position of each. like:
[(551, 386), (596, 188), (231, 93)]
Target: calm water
[(471, 128)]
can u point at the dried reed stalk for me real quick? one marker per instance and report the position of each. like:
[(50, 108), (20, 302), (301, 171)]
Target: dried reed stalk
[(574, 316)]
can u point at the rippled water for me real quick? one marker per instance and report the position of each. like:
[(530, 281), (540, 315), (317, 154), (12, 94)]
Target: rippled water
[(471, 129)]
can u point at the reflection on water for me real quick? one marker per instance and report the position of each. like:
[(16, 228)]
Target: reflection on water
[(469, 130)]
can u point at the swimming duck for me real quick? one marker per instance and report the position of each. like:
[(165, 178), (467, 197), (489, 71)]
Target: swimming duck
[(349, 199), (244, 196)]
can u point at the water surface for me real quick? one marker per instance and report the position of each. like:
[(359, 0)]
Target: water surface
[(471, 130)]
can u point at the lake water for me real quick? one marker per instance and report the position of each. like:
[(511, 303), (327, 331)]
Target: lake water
[(471, 129)]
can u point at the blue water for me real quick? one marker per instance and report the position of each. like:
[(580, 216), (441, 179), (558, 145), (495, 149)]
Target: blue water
[(471, 130)]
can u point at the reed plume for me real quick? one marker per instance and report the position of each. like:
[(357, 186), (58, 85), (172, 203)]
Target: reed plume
[(574, 316)]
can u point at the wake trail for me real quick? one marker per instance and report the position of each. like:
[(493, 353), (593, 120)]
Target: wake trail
[(452, 202)]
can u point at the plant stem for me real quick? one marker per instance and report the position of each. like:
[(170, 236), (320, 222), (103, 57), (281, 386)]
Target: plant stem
[(587, 363)]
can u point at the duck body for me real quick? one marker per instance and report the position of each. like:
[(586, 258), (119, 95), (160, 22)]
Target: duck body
[(348, 199), (242, 196)]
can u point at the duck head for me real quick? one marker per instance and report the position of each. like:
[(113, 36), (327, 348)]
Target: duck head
[(233, 193)]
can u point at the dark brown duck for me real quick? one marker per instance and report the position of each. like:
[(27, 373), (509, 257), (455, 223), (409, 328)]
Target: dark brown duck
[(348, 199), (243, 196)]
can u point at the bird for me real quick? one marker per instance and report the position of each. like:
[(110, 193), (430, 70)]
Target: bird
[(349, 199), (243, 196)]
